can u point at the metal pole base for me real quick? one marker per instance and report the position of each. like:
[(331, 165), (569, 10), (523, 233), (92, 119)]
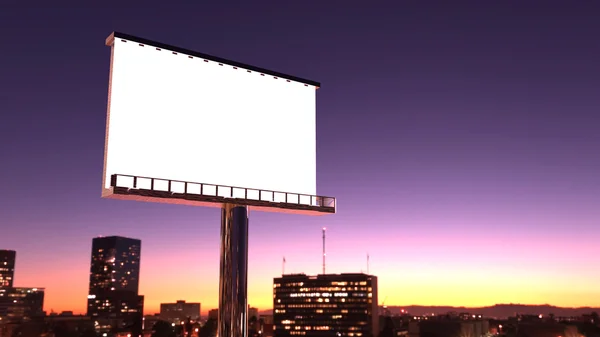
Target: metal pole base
[(233, 283)]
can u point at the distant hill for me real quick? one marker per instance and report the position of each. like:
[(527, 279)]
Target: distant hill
[(498, 310)]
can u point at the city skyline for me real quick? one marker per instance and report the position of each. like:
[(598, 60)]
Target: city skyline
[(461, 149)]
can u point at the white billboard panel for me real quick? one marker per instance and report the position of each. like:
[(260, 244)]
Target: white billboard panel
[(178, 116)]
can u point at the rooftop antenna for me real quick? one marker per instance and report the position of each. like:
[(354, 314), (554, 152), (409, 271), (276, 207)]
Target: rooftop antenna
[(324, 250), (367, 263), (283, 267)]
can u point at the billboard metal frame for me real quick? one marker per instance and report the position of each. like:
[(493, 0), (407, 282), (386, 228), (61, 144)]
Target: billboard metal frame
[(118, 35), (233, 278), (128, 187)]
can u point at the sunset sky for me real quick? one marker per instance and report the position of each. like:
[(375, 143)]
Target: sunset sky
[(462, 143)]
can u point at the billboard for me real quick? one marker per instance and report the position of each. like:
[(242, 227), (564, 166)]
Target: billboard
[(175, 114)]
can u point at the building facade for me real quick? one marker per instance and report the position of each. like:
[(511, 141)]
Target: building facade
[(213, 314), (252, 312), (113, 299), (7, 267), (335, 305), (179, 311), (21, 304)]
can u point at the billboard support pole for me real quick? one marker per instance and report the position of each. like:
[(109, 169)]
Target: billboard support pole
[(233, 282)]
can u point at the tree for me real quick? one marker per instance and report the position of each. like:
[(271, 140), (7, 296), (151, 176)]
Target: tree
[(388, 328), (261, 324), (189, 327), (252, 331), (209, 329), (163, 329)]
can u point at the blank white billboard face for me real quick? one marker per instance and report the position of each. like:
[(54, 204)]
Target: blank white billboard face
[(178, 117)]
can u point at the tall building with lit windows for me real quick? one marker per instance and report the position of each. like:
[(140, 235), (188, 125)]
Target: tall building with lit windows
[(333, 305), (113, 299), (7, 267), (19, 304)]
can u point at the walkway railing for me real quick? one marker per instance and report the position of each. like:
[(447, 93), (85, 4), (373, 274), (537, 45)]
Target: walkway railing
[(181, 189)]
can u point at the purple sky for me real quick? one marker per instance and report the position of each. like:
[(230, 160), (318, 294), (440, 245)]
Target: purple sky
[(462, 143)]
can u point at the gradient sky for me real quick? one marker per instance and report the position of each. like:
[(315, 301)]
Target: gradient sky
[(462, 143)]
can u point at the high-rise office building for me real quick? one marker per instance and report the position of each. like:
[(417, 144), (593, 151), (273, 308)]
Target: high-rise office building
[(334, 305), (17, 304), (113, 299), (179, 311), (7, 267)]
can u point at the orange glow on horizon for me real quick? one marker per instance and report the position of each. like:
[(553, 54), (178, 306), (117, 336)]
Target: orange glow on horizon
[(437, 272), (65, 297)]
